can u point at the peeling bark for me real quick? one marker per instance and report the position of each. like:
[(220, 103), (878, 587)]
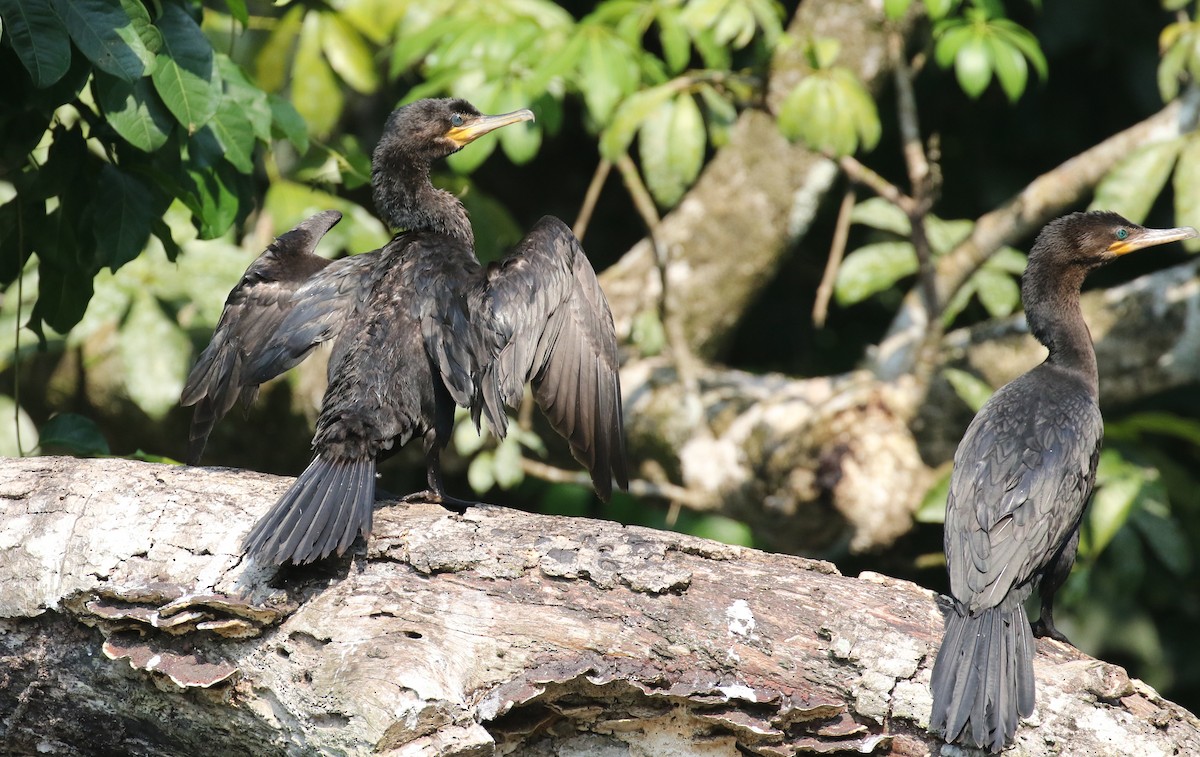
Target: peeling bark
[(130, 624)]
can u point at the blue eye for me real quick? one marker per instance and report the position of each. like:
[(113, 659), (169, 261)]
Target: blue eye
[(1122, 234), (457, 120)]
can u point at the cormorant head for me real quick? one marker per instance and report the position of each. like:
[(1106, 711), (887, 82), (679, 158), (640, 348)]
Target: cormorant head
[(426, 130), (1094, 238)]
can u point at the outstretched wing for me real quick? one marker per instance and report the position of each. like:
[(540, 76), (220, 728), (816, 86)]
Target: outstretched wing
[(253, 312), (550, 324), (1022, 476)]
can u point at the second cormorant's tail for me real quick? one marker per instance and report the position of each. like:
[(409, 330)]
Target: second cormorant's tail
[(322, 512), (983, 677)]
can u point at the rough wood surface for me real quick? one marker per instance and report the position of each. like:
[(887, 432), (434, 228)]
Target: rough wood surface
[(130, 625)]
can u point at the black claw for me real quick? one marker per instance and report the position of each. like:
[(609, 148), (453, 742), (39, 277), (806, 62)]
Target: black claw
[(1046, 630), (453, 504)]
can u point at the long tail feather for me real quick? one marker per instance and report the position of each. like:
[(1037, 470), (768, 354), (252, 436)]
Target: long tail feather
[(322, 512)]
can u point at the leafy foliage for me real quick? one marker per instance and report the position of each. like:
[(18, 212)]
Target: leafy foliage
[(830, 109)]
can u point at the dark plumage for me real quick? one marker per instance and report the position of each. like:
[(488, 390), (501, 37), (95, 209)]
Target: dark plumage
[(417, 327), (1022, 477)]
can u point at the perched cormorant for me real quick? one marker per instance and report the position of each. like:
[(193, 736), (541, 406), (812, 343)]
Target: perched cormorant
[(417, 327), (1022, 477)]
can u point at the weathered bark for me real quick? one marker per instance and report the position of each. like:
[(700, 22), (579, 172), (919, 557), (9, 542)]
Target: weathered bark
[(131, 625)]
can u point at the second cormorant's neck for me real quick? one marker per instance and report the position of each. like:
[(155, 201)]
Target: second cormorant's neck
[(1051, 298), (407, 200)]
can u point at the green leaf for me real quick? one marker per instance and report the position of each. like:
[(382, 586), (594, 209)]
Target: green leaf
[(878, 213), (1007, 259), (933, 505), (823, 51), (973, 67), (647, 333), (939, 8), (235, 134), (288, 123), (112, 37), (315, 91), (348, 54), (1010, 67), (1166, 539), (1022, 39), (723, 529), (958, 302), (39, 38), (507, 464), (873, 268), (999, 292), (134, 111), (1119, 484), (1150, 422), (480, 473), (945, 235), (73, 433), (271, 63), (62, 297), (212, 198), (123, 213), (184, 75), (722, 114), (607, 72), (951, 36), (521, 142), (671, 146), (895, 9), (629, 117), (1171, 67), (155, 353), (237, 9), (1186, 182), (677, 48), (247, 96), (969, 388), (1131, 187)]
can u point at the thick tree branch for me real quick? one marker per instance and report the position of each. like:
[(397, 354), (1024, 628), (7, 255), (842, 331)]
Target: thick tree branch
[(131, 625)]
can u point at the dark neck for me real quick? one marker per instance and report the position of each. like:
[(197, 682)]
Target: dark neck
[(1051, 298), (407, 200)]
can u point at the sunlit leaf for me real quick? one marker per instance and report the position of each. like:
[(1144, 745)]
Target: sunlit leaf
[(629, 117), (671, 145), (315, 91), (607, 72), (134, 111), (156, 354), (944, 235), (1119, 483), (480, 473), (1167, 540), (895, 9), (235, 134), (288, 123), (969, 388), (237, 9), (347, 53), (973, 67), (933, 505), (723, 529), (183, 71), (271, 63), (111, 36), (1131, 187), (39, 38), (1186, 182), (1010, 67), (722, 114), (998, 292), (939, 8), (873, 268), (507, 464), (248, 97), (520, 142), (213, 199), (1007, 259), (677, 46), (648, 334), (878, 213)]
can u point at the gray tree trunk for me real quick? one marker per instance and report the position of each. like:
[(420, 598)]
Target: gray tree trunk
[(129, 624)]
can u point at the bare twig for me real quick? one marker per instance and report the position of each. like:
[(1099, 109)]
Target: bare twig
[(637, 487), (592, 197), (837, 249), (859, 173)]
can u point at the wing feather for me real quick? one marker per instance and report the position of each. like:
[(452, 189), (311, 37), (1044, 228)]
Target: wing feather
[(549, 323)]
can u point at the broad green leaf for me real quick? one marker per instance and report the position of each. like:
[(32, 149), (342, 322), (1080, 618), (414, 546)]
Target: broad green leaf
[(521, 142), (1150, 422), (155, 354), (62, 297), (951, 36), (12, 418), (939, 8), (1010, 67), (999, 292), (933, 505), (969, 388), (212, 198), (184, 75), (873, 268), (831, 111), (134, 111), (237, 9), (677, 47), (723, 529), (480, 473), (271, 63), (671, 147), (1131, 187), (39, 38), (1186, 183), (1119, 483), (467, 439), (1167, 540), (507, 464), (288, 123), (1022, 39), (111, 36), (411, 47), (945, 235), (822, 52), (123, 212), (647, 333), (629, 117), (73, 433), (607, 71), (1174, 60), (860, 107), (878, 213), (235, 134), (247, 96), (958, 302), (1007, 259), (973, 67), (722, 114), (315, 91), (347, 53), (895, 9)]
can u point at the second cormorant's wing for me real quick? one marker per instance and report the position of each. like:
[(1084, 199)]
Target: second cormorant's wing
[(253, 312), (551, 325)]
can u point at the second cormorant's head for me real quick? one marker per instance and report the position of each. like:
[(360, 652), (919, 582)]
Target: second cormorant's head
[(1094, 238)]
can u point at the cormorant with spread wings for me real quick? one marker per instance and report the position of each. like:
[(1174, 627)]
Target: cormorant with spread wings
[(417, 327)]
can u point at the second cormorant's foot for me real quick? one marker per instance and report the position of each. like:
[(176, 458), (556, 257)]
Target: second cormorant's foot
[(1044, 630), (454, 504)]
